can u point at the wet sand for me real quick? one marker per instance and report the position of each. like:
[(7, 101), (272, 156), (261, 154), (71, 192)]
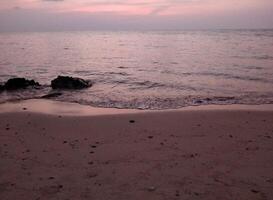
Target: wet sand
[(195, 153)]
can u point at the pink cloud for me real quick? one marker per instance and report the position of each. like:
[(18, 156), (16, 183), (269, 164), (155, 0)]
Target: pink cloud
[(138, 7)]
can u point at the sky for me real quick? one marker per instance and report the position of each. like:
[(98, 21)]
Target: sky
[(59, 15)]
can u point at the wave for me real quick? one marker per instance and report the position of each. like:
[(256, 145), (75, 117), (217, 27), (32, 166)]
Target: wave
[(141, 102)]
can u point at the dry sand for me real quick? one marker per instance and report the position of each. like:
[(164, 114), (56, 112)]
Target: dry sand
[(207, 153)]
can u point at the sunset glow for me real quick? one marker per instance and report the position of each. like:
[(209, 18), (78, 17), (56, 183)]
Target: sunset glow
[(256, 13), (135, 7)]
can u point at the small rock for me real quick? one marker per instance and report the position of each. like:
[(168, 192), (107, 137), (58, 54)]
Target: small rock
[(66, 82), (269, 180), (20, 83), (92, 175), (151, 189)]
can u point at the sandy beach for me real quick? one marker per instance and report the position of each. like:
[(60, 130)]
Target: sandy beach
[(74, 152)]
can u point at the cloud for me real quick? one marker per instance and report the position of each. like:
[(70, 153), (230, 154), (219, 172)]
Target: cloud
[(52, 0), (17, 8), (159, 9)]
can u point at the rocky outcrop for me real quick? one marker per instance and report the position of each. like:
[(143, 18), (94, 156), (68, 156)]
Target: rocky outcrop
[(19, 83), (66, 82)]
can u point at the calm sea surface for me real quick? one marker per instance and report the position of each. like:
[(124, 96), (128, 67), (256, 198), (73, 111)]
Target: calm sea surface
[(146, 70)]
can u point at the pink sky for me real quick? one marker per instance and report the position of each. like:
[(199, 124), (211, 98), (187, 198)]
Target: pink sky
[(138, 7), (180, 10)]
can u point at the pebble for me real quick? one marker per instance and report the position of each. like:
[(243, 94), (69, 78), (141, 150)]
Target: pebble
[(151, 189), (254, 191)]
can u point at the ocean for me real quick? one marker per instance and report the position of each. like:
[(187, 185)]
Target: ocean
[(145, 69)]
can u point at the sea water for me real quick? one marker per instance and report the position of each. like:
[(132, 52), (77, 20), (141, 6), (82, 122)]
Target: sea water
[(144, 70)]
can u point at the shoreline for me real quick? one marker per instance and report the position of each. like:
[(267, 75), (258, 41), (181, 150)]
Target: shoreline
[(53, 107)]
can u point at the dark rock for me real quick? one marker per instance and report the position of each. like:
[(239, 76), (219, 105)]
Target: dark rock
[(52, 95), (177, 193), (66, 82), (20, 83), (151, 189), (1, 88)]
